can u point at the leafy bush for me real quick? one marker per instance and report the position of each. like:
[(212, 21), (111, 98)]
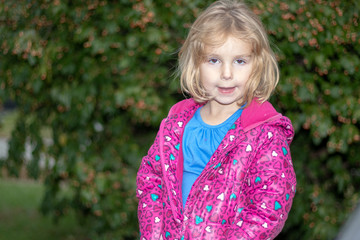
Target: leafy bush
[(93, 78), (318, 44)]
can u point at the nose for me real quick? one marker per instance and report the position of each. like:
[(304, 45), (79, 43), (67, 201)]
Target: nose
[(226, 73)]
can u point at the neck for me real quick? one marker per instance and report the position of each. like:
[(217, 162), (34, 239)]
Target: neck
[(214, 114)]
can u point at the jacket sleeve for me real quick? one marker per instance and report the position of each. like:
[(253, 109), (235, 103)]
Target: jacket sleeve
[(149, 193), (269, 189)]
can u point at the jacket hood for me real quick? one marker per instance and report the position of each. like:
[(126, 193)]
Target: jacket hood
[(257, 113), (252, 116)]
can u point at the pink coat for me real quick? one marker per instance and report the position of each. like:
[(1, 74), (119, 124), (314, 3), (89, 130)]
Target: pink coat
[(244, 192)]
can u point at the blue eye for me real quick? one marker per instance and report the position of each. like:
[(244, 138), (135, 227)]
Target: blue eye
[(213, 60), (240, 61)]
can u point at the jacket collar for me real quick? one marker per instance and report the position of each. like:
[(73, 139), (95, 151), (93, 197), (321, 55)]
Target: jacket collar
[(253, 115)]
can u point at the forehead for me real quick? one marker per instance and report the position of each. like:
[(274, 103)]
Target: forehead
[(228, 45)]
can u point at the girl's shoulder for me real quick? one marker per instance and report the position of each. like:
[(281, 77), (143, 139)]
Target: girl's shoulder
[(258, 113), (185, 104), (265, 115)]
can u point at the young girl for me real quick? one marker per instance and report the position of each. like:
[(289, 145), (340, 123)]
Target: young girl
[(220, 166)]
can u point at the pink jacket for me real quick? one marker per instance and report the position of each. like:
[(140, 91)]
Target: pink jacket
[(244, 192)]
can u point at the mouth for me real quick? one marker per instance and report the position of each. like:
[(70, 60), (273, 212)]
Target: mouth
[(226, 90)]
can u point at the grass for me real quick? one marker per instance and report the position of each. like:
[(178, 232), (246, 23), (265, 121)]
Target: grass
[(21, 219)]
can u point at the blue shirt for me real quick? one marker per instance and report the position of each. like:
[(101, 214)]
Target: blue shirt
[(200, 141)]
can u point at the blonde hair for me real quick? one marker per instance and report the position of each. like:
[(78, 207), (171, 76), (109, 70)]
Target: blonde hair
[(219, 21)]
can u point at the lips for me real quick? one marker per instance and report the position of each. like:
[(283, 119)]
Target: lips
[(226, 90)]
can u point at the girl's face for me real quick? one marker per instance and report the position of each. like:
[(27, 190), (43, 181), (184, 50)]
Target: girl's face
[(225, 71)]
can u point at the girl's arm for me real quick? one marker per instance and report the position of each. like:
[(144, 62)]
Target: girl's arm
[(149, 193), (269, 190)]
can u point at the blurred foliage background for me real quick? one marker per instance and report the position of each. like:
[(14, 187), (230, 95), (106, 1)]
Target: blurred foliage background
[(92, 80)]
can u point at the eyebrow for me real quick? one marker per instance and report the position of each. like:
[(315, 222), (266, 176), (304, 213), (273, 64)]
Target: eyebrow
[(236, 56)]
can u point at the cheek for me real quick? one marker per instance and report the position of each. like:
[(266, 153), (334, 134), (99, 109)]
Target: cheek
[(206, 84), (250, 71), (245, 75), (206, 77), (248, 74)]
